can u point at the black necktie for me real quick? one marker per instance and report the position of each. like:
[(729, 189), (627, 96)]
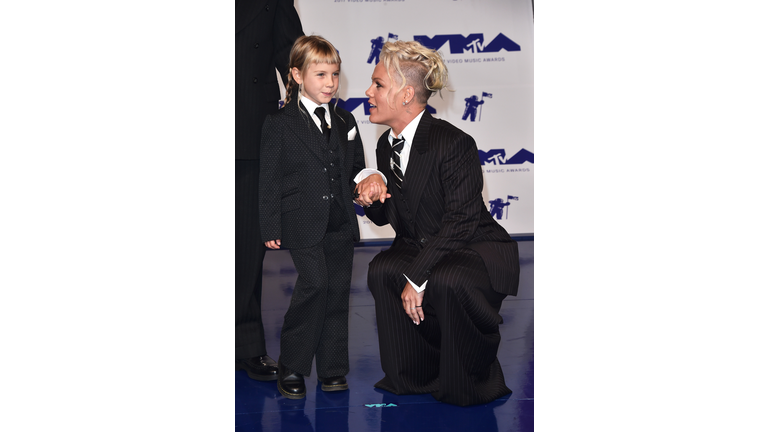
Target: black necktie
[(320, 113), (397, 147)]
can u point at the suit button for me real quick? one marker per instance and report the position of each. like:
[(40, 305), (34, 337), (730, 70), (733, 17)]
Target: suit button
[(325, 197), (331, 195), (255, 80), (333, 179), (325, 169), (267, 7), (331, 163), (256, 46), (423, 240)]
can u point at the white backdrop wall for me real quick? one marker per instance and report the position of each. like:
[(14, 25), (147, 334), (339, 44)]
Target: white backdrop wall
[(488, 48)]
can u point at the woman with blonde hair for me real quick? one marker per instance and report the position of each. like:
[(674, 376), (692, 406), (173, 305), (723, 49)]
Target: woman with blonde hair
[(439, 288)]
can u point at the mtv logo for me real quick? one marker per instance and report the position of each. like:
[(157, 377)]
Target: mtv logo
[(498, 157), (351, 104), (460, 44)]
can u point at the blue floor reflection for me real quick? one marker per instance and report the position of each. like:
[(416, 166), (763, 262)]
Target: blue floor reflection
[(260, 407)]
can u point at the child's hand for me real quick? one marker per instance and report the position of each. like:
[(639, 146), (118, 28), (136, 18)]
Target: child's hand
[(377, 191), (273, 244), (370, 189)]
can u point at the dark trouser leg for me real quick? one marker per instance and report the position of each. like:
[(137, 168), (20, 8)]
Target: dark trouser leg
[(409, 356), (303, 322), (460, 298), (317, 319), (332, 356), (249, 255)]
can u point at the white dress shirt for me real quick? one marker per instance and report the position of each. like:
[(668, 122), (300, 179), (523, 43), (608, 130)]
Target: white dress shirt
[(408, 134), (311, 107)]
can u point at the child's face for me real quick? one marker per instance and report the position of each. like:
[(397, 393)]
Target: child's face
[(320, 82)]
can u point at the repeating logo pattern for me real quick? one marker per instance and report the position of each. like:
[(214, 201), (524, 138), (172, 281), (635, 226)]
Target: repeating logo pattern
[(498, 157), (376, 45), (498, 205), (351, 104), (474, 43), (471, 105)]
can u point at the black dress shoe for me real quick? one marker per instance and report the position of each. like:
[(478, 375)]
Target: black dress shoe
[(334, 383), (261, 368), (290, 383)]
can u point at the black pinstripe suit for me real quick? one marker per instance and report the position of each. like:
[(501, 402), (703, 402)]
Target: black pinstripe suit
[(264, 33), (444, 234), (299, 173)]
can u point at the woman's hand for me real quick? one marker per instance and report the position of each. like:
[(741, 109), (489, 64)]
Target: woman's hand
[(412, 303)]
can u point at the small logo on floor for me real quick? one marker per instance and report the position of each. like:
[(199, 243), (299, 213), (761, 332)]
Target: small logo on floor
[(380, 405)]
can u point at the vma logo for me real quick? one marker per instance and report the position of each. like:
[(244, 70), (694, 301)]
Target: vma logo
[(376, 45), (497, 206), (474, 43), (470, 106), (351, 104), (498, 157)]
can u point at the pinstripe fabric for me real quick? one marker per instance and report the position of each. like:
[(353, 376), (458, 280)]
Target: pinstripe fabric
[(249, 254), (444, 234), (452, 353), (264, 33), (443, 192)]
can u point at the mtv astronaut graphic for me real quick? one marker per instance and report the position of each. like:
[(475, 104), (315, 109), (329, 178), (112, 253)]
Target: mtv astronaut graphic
[(471, 105), (376, 45), (498, 205)]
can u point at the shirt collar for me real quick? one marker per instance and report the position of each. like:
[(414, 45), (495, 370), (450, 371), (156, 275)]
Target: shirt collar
[(409, 131), (312, 106)]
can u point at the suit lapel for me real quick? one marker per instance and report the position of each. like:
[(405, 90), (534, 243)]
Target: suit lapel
[(383, 154), (246, 11), (304, 128), (338, 133), (420, 163)]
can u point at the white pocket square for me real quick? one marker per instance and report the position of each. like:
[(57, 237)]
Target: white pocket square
[(351, 134)]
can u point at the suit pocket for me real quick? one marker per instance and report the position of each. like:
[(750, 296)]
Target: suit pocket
[(290, 202), (291, 197)]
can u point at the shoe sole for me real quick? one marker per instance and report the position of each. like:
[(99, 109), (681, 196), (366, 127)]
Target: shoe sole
[(337, 387), (256, 376), (290, 395), (262, 377)]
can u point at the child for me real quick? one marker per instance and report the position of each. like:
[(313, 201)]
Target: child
[(310, 153)]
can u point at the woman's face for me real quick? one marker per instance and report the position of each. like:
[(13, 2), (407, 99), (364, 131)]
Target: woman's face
[(382, 110)]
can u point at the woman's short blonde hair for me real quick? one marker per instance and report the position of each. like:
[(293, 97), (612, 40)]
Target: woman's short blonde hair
[(417, 66)]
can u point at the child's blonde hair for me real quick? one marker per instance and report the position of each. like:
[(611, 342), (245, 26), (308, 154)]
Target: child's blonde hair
[(307, 50)]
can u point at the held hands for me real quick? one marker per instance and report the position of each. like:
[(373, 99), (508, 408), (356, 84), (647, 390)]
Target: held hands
[(412, 303), (273, 244), (370, 189)]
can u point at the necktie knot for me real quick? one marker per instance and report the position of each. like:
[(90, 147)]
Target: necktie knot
[(320, 113), (398, 144)]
